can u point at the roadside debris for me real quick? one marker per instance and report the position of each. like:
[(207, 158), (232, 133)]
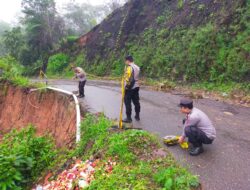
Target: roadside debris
[(79, 176)]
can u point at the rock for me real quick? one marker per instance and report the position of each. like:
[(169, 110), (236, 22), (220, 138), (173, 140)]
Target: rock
[(82, 183), (228, 113)]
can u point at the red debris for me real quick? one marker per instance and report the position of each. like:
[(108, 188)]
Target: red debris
[(79, 176)]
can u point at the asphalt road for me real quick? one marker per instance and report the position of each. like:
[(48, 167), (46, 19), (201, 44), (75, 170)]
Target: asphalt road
[(225, 165)]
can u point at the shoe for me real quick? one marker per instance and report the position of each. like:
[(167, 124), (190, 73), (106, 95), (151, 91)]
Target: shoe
[(80, 96), (137, 118), (195, 151), (127, 120)]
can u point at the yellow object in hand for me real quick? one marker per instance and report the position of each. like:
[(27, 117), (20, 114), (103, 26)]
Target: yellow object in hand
[(184, 145)]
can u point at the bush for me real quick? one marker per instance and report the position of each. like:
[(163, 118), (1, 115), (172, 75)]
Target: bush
[(12, 71), (57, 63), (23, 157), (11, 67), (175, 178), (34, 69), (72, 39)]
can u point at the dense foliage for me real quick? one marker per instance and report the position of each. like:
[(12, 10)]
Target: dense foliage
[(57, 64), (23, 157), (213, 52), (3, 28), (12, 71), (210, 52), (43, 27), (42, 30)]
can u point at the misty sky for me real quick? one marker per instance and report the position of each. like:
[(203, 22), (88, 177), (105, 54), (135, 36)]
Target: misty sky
[(10, 9)]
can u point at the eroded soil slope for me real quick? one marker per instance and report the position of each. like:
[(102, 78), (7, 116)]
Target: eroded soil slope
[(52, 113), (126, 24)]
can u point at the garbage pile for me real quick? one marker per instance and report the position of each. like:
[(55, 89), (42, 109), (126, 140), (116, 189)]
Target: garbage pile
[(79, 176)]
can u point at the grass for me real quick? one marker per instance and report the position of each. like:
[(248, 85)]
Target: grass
[(223, 87), (137, 166), (20, 81), (25, 157)]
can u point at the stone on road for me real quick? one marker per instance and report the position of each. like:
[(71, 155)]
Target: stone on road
[(225, 165)]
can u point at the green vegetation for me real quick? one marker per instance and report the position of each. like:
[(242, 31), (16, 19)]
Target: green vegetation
[(207, 56), (23, 158), (195, 55), (137, 165), (72, 39), (176, 178), (180, 4), (42, 31), (3, 28), (57, 64), (12, 71), (214, 54)]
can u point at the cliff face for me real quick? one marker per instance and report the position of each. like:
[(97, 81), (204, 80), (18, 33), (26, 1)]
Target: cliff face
[(127, 23), (50, 112)]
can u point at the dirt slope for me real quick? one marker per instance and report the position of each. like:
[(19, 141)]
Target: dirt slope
[(125, 24), (50, 112)]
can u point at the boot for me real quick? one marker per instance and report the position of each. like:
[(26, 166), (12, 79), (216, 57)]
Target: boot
[(127, 120), (80, 96), (137, 117), (195, 151)]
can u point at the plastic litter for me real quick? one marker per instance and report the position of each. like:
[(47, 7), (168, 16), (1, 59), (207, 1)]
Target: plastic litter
[(79, 176)]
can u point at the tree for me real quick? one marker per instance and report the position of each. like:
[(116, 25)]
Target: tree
[(13, 41), (44, 28), (80, 18), (115, 4), (3, 28)]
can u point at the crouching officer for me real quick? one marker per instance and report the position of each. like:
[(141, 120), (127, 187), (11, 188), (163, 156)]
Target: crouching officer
[(197, 127), (132, 89)]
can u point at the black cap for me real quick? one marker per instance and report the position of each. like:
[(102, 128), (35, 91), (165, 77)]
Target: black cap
[(186, 102), (129, 58)]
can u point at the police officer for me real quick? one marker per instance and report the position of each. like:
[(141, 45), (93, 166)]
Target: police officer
[(81, 76), (198, 128), (132, 89)]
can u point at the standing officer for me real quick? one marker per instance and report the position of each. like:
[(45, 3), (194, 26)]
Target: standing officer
[(81, 76), (132, 89)]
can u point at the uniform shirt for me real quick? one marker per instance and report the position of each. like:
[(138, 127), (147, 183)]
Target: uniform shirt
[(81, 75), (132, 73), (200, 119)]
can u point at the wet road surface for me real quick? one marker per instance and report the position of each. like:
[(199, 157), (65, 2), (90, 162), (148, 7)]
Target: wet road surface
[(225, 165)]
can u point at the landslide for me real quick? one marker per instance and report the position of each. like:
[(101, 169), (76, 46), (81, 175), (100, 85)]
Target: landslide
[(50, 112)]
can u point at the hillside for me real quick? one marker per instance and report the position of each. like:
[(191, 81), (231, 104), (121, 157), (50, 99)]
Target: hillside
[(197, 40)]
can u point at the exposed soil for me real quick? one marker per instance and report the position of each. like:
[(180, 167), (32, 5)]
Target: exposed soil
[(51, 113), (139, 15)]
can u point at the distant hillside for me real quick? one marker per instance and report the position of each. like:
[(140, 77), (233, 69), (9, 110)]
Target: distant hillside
[(192, 40)]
